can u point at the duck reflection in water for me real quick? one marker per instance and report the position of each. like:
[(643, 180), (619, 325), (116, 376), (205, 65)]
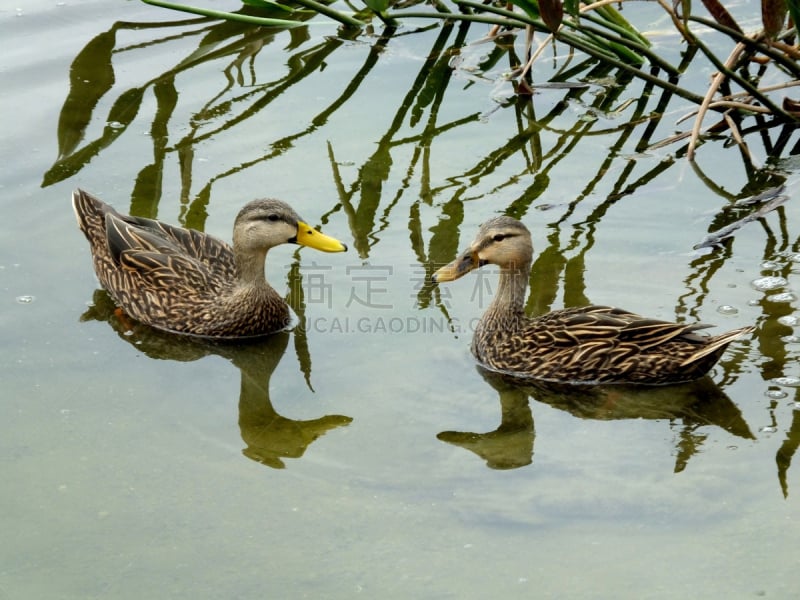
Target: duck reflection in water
[(269, 437), (687, 407)]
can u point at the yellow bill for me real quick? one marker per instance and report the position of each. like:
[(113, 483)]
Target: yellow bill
[(308, 236), (463, 264)]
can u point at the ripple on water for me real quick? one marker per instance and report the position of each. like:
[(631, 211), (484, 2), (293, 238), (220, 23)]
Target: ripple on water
[(782, 297), (727, 309), (789, 320), (769, 265), (767, 284), (787, 381), (794, 257)]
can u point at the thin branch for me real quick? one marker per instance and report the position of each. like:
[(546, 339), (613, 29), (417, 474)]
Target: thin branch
[(744, 83), (753, 43), (738, 136), (716, 81), (740, 106)]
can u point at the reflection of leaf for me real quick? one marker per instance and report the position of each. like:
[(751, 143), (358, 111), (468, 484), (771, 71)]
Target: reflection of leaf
[(120, 116), (787, 451), (90, 77), (71, 164), (296, 299), (125, 108), (437, 76)]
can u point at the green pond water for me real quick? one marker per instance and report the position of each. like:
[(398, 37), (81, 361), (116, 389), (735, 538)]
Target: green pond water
[(362, 453)]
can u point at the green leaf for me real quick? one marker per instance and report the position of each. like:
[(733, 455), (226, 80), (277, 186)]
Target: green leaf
[(227, 16), (613, 16), (378, 6), (268, 4), (794, 11), (572, 7), (529, 7)]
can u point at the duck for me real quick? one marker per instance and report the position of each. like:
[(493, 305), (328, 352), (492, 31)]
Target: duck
[(188, 282), (588, 344)]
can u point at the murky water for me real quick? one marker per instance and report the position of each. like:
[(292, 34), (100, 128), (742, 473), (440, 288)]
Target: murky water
[(362, 452)]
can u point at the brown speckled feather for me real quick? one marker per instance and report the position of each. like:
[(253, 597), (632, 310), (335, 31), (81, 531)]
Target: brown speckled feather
[(590, 344), (175, 279), (599, 344)]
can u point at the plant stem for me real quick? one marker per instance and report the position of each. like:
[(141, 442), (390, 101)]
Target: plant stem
[(217, 14), (753, 45), (329, 12), (750, 88)]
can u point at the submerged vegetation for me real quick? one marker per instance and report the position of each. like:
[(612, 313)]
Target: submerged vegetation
[(751, 81)]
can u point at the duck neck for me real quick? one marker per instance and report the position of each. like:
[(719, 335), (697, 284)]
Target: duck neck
[(250, 268), (508, 302)]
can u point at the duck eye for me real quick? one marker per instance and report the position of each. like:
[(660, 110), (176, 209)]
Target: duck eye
[(273, 217), (499, 237)]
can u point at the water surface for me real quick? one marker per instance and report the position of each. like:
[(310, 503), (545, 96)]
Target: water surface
[(363, 452)]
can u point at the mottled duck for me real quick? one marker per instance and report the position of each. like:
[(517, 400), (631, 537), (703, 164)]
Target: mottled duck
[(188, 282), (589, 344)]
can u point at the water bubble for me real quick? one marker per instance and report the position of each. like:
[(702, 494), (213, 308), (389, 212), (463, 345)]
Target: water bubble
[(766, 284), (769, 265), (776, 394), (768, 429), (782, 297), (25, 299), (753, 303), (732, 447), (789, 320), (791, 339), (727, 309), (788, 381), (794, 257), (115, 125)]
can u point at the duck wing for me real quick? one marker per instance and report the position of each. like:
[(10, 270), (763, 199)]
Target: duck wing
[(600, 343), (168, 257)]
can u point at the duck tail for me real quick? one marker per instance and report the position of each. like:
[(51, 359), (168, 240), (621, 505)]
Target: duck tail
[(89, 210), (716, 345)]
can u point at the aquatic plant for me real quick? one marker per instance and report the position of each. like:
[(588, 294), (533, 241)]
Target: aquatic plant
[(599, 31)]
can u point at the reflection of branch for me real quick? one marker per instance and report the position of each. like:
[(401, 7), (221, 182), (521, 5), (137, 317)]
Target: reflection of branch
[(787, 451), (717, 237), (375, 170)]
